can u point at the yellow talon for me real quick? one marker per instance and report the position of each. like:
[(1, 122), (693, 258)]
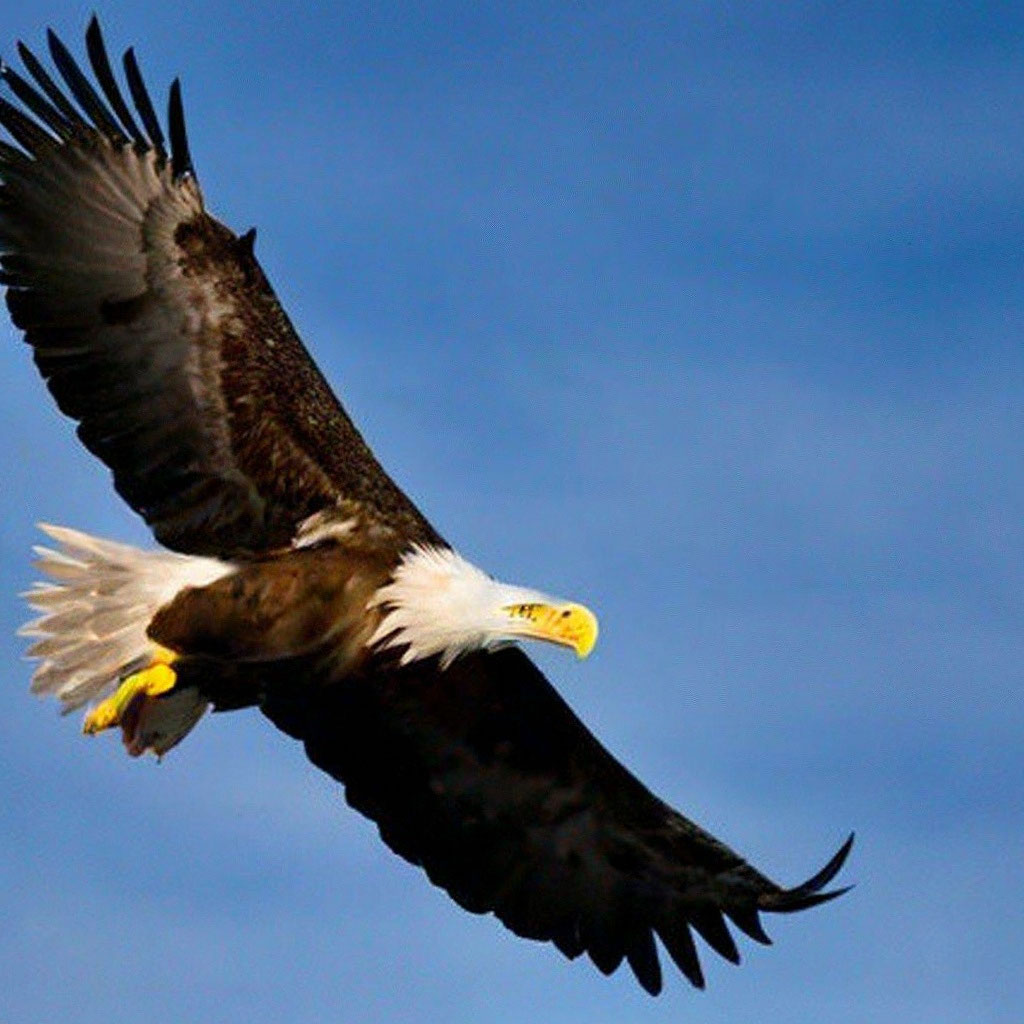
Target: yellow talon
[(104, 716), (163, 655), (150, 682)]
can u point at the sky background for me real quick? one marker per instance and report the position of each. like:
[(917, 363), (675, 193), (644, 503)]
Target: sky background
[(709, 315)]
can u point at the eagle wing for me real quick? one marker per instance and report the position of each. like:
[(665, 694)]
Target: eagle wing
[(156, 329), (484, 776)]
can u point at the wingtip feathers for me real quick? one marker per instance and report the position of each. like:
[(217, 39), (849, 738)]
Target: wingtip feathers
[(104, 104), (181, 158), (808, 894)]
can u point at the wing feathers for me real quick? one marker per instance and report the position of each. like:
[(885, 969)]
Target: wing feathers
[(706, 920), (181, 158), (808, 894), (643, 959), (143, 104), (675, 934), (47, 113), (49, 87), (483, 776), (80, 88), (12, 158), (24, 131), (105, 76), (745, 918), (156, 329)]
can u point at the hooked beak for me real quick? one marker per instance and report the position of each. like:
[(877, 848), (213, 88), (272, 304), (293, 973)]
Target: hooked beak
[(567, 624)]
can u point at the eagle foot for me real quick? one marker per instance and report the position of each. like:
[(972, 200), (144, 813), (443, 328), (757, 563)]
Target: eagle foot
[(122, 707)]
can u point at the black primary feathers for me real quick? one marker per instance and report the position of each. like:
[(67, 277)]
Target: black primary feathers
[(116, 124)]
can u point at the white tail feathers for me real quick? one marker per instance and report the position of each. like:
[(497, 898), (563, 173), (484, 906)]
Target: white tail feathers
[(92, 631)]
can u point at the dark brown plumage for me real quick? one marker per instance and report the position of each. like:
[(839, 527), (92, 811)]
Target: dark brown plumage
[(156, 329), (485, 777), (308, 601)]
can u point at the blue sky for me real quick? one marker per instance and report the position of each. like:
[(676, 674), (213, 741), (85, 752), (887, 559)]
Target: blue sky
[(709, 315)]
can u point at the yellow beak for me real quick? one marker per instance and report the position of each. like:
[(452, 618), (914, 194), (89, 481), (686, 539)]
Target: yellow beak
[(570, 625)]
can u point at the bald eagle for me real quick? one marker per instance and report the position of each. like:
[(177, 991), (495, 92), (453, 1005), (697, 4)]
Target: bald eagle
[(294, 575)]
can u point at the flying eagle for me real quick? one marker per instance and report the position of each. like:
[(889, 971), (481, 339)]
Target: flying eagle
[(295, 576)]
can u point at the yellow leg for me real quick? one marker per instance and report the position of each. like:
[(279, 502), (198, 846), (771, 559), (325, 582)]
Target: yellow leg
[(158, 678)]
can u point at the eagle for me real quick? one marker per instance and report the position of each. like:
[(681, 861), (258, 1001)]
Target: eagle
[(293, 575)]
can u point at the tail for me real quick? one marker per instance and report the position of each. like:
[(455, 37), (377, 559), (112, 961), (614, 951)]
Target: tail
[(95, 612)]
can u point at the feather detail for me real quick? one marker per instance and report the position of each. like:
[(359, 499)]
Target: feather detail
[(437, 603), (92, 630)]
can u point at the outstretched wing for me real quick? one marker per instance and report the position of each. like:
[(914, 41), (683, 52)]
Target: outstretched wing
[(483, 775), (156, 329)]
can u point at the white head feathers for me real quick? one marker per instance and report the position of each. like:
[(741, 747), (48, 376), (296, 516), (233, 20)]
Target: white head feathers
[(440, 604)]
